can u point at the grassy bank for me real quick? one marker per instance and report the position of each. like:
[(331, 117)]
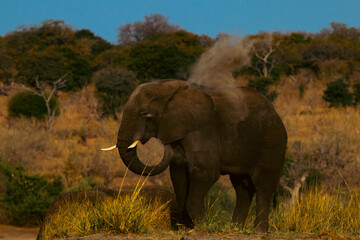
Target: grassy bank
[(316, 212), (120, 215)]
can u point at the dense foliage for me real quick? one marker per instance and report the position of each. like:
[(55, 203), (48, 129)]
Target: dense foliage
[(113, 86), (337, 94), (166, 56), (27, 197), (332, 54), (157, 49), (28, 104), (48, 52)]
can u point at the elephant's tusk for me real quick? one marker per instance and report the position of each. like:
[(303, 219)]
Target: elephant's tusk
[(133, 144), (109, 148)]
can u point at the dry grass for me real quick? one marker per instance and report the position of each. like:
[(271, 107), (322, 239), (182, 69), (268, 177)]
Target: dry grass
[(71, 149), (317, 211), (122, 215), (319, 137)]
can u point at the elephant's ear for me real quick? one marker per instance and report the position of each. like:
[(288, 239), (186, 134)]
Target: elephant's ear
[(187, 110)]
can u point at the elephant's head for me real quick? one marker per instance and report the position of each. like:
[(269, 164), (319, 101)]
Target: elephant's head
[(167, 110)]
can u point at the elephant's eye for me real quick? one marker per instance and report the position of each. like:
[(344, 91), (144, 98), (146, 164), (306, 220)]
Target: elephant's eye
[(146, 114)]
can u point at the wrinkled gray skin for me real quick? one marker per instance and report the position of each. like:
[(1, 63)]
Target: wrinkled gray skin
[(207, 132)]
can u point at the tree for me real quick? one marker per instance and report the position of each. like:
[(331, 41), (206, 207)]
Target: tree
[(340, 30), (54, 46), (58, 61), (40, 90), (169, 55), (50, 32), (113, 87), (138, 31), (60, 83), (94, 45), (263, 49)]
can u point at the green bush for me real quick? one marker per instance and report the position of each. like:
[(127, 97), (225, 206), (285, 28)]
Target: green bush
[(27, 197), (262, 85), (113, 87), (356, 93), (337, 94), (29, 105)]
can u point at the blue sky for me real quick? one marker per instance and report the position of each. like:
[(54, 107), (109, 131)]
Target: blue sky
[(103, 17)]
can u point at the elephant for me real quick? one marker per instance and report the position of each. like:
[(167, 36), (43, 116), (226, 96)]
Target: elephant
[(207, 132)]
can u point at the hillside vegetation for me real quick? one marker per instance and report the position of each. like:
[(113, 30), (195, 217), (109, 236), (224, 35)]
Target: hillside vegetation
[(313, 80)]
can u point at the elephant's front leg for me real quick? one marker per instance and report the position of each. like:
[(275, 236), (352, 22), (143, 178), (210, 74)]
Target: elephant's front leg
[(179, 178), (203, 173)]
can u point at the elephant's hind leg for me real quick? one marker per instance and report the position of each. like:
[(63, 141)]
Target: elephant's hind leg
[(245, 191), (265, 182)]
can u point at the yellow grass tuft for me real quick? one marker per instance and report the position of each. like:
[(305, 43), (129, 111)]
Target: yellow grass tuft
[(317, 211), (122, 215)]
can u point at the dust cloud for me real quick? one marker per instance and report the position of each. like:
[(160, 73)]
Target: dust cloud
[(216, 65)]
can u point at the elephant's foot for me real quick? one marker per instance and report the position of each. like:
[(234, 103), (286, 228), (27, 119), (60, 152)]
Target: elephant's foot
[(183, 220), (240, 220), (261, 226)]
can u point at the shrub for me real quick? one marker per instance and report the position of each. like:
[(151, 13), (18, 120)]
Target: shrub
[(262, 85), (27, 197), (113, 87), (356, 93), (29, 105), (337, 94)]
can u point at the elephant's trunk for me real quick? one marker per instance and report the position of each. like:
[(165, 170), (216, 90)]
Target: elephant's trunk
[(129, 155)]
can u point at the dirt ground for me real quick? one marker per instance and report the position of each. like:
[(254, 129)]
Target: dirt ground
[(15, 233), (199, 235)]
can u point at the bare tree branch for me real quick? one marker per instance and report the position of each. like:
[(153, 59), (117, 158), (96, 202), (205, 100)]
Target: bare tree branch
[(41, 91), (263, 49)]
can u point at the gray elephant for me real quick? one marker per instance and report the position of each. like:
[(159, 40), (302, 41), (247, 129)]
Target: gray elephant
[(207, 132)]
